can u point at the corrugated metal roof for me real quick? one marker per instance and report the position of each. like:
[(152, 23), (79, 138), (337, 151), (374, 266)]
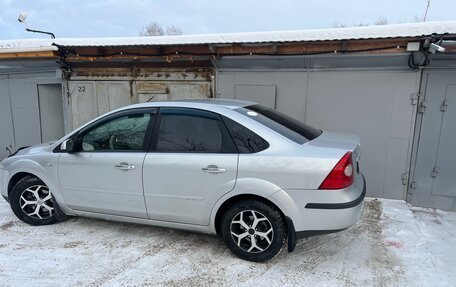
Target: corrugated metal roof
[(333, 34)]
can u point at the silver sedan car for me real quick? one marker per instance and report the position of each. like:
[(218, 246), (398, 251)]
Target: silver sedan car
[(254, 176)]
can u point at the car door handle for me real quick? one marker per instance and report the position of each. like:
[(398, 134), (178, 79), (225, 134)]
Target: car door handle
[(213, 169), (124, 166)]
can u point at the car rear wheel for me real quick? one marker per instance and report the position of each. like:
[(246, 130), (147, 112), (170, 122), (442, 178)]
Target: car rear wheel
[(253, 230), (31, 201)]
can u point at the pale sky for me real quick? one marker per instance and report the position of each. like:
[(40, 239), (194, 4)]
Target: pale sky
[(111, 18)]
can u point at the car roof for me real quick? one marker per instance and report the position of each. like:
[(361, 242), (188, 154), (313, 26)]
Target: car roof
[(193, 103)]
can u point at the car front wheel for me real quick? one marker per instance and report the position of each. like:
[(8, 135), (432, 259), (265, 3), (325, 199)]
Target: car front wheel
[(253, 230), (31, 201)]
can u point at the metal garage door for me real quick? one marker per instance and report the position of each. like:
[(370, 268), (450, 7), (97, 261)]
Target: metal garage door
[(25, 111), (20, 118), (89, 99), (6, 119), (434, 177), (51, 111), (284, 91), (375, 105)]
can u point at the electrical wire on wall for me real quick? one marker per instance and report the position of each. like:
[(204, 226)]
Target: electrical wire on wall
[(422, 62), (416, 59), (65, 52)]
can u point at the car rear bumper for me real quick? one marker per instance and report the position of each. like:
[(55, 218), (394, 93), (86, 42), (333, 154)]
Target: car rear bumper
[(345, 214), (344, 205), (316, 212)]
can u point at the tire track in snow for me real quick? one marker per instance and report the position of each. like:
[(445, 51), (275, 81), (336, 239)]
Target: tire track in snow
[(388, 270), (342, 247)]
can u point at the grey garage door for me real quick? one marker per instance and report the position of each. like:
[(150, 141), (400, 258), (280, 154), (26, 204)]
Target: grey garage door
[(373, 104), (434, 179), (20, 118), (6, 119), (50, 102), (376, 106), (285, 91)]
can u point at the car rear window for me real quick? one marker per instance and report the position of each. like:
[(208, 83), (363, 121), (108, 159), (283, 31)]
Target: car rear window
[(287, 126)]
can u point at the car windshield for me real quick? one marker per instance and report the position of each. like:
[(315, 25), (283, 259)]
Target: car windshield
[(287, 126)]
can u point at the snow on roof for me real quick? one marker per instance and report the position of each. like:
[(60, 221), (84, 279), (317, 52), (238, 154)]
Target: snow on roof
[(333, 34), (25, 44), (370, 32)]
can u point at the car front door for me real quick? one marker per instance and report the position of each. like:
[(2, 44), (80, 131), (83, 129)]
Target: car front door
[(192, 162), (104, 173)]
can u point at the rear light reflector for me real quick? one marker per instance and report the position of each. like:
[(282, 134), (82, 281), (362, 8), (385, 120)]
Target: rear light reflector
[(341, 176)]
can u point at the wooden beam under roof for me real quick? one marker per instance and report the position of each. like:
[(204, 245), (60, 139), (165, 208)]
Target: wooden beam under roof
[(376, 46), (30, 55)]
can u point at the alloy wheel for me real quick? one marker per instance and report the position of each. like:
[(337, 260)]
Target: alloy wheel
[(36, 202), (252, 231)]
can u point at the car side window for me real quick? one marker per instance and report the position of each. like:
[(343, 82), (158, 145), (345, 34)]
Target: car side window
[(246, 141), (192, 130), (125, 133)]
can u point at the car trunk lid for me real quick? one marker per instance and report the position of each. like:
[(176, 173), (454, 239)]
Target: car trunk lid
[(344, 141)]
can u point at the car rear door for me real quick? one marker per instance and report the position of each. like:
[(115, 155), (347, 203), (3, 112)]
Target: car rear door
[(192, 162)]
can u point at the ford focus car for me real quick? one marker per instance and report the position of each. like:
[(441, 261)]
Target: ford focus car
[(254, 176)]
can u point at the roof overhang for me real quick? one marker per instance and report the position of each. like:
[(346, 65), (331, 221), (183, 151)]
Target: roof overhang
[(198, 49)]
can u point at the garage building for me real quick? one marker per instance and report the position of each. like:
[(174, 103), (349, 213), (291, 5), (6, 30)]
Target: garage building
[(389, 84)]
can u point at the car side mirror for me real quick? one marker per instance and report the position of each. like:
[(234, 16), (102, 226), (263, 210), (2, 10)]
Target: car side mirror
[(67, 145)]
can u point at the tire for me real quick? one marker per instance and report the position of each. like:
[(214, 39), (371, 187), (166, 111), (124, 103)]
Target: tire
[(27, 207), (239, 229)]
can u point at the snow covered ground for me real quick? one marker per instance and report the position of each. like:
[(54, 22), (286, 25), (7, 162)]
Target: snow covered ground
[(393, 245)]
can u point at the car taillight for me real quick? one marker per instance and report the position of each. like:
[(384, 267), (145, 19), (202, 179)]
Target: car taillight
[(341, 176)]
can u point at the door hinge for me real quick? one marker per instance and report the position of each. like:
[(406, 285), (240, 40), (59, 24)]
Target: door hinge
[(412, 187), (444, 105), (414, 98), (422, 107), (435, 171), (404, 178)]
